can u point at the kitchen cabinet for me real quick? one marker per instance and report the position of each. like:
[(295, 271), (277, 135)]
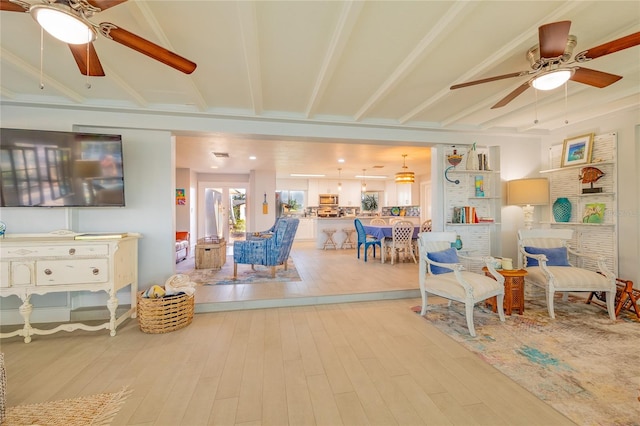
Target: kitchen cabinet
[(306, 229), (594, 238)]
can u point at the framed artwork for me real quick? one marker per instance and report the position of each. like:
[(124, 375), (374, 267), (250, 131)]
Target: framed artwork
[(577, 150), (594, 213), (181, 197)]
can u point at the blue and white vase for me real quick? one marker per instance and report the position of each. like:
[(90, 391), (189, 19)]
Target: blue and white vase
[(562, 210)]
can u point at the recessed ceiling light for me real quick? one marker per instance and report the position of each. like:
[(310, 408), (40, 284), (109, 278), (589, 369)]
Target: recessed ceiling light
[(252, 157), (340, 160), (305, 175), (214, 167)]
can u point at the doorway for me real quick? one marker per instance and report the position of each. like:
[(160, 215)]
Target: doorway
[(223, 208)]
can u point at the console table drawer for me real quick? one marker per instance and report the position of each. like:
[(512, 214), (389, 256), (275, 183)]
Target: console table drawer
[(76, 271), (55, 251)]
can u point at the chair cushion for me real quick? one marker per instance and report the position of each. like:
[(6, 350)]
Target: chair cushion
[(449, 255), (556, 256), (181, 245), (571, 279), (446, 285)]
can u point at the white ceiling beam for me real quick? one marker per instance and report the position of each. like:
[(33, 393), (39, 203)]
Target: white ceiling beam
[(144, 14), (122, 83), (46, 80), (250, 48), (339, 39), (497, 57), (437, 33)]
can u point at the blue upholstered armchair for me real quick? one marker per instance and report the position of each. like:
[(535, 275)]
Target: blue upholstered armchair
[(261, 234), (270, 250)]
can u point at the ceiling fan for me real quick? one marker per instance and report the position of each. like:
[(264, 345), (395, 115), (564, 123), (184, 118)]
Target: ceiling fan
[(59, 17), (551, 64)]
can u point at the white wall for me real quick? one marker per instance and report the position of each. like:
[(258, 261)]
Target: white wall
[(150, 171), (627, 126)]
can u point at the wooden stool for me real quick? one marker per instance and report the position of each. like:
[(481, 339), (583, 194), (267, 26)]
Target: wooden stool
[(329, 241), (348, 241)]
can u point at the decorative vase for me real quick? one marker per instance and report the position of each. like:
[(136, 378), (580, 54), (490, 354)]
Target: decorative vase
[(562, 210), (472, 159), (457, 244)]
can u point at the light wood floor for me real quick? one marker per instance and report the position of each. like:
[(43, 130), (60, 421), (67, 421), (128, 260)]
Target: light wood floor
[(360, 363)]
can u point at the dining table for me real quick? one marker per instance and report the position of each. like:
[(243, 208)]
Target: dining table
[(384, 232)]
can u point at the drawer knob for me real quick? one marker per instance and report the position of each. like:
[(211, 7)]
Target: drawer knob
[(72, 251), (96, 271), (48, 271)]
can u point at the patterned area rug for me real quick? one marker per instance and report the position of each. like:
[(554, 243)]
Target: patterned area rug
[(88, 410), (246, 275), (581, 363)]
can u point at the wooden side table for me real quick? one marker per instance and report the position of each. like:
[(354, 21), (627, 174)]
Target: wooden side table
[(211, 253), (513, 290)]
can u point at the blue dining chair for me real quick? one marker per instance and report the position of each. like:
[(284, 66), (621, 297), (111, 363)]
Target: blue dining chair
[(368, 241)]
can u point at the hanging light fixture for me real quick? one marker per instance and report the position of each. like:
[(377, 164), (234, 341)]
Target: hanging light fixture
[(364, 180), (405, 176), (339, 179), (63, 23)]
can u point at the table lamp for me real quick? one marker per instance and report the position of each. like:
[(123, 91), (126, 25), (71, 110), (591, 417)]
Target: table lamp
[(528, 193)]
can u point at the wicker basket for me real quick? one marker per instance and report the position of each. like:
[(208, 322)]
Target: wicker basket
[(164, 314)]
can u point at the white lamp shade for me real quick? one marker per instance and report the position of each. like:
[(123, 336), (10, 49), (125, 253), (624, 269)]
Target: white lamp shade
[(532, 191)]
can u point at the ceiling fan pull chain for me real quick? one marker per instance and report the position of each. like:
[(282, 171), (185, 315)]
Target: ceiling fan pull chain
[(566, 121), (87, 84), (535, 106), (41, 56)]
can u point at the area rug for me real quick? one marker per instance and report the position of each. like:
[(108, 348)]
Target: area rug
[(582, 364), (246, 275), (88, 410)]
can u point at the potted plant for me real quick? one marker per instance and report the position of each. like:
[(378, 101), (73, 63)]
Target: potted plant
[(369, 203)]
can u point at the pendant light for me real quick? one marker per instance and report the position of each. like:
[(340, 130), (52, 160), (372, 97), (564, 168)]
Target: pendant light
[(405, 176), (364, 180), (339, 179)]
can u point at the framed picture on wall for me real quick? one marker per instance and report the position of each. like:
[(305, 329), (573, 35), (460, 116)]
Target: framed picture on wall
[(181, 197), (577, 150)]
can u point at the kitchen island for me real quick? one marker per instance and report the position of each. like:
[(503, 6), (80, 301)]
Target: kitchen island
[(345, 222)]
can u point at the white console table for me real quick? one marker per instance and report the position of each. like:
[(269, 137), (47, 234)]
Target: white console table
[(61, 262)]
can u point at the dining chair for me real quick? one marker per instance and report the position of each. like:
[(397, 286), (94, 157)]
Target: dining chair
[(402, 240), (546, 258), (442, 274), (426, 226), (366, 240), (377, 221), (394, 220)]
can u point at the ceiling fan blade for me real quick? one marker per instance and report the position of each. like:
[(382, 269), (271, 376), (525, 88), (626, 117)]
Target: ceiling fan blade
[(594, 78), (610, 47), (553, 38), (105, 4), (511, 96), (79, 52), (487, 80), (146, 47), (12, 7)]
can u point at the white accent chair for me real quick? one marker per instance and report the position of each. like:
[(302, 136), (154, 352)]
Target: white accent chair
[(546, 258), (457, 284)]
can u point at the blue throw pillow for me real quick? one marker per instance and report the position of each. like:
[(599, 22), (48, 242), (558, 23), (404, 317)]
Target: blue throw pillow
[(445, 256), (556, 256)]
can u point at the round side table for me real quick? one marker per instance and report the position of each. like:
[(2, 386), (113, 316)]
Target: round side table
[(513, 290)]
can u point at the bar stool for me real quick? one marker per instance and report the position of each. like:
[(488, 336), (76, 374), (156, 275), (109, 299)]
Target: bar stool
[(329, 241), (348, 241)]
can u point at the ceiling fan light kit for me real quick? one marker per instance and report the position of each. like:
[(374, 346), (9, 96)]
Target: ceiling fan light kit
[(64, 25), (552, 79)]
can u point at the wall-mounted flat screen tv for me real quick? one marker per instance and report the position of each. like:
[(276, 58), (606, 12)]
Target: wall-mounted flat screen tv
[(60, 169)]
